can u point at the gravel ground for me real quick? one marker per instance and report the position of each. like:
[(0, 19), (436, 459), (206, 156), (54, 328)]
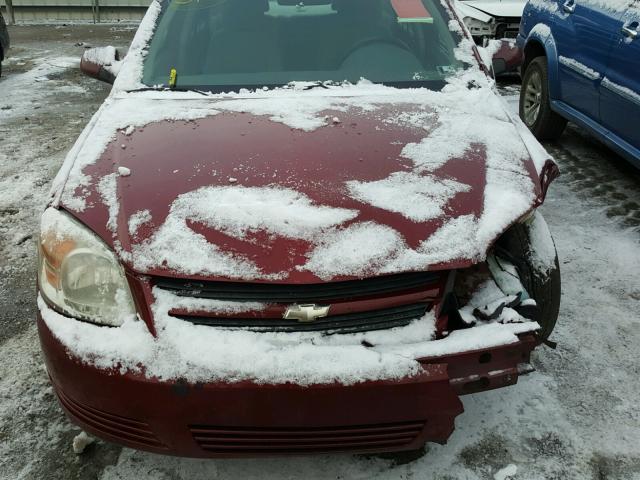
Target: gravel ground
[(577, 417)]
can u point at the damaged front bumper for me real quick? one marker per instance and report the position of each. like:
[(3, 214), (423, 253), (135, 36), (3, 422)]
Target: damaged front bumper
[(244, 418)]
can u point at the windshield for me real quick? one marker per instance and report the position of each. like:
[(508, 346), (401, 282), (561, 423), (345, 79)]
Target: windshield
[(222, 45)]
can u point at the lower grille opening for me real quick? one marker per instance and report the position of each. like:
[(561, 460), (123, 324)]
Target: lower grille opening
[(125, 429), (219, 439), (336, 324)]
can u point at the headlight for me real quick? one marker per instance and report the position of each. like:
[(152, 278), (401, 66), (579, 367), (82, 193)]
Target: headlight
[(79, 274)]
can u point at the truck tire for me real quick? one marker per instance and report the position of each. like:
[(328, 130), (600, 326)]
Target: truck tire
[(535, 107)]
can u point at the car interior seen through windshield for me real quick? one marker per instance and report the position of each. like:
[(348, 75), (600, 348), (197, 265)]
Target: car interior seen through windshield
[(226, 44)]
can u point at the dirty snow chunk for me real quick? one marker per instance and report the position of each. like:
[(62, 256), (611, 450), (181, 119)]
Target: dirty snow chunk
[(137, 220), (507, 473), (578, 67), (417, 197), (237, 210), (81, 441), (358, 249), (124, 171), (108, 189), (129, 130), (543, 250)]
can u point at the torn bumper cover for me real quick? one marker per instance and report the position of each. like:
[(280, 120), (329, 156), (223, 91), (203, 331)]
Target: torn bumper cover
[(249, 419)]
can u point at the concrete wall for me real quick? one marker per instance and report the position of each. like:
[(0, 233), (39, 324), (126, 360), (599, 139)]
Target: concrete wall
[(76, 10)]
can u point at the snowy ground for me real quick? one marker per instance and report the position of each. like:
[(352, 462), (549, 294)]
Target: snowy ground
[(577, 417)]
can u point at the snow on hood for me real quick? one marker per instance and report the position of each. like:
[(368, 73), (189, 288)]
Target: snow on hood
[(296, 185)]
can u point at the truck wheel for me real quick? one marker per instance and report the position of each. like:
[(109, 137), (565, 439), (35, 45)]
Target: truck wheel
[(529, 246), (535, 108)]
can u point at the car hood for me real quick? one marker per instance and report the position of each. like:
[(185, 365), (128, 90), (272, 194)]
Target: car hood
[(301, 188), (494, 8)]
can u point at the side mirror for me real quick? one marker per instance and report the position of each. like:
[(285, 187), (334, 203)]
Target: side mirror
[(102, 63)]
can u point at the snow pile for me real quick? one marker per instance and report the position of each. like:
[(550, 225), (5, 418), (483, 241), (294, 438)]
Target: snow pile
[(360, 249), (36, 85), (488, 299), (238, 211), (423, 197), (199, 353), (506, 473), (81, 441)]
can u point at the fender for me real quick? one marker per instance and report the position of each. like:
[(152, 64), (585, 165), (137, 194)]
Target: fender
[(541, 34)]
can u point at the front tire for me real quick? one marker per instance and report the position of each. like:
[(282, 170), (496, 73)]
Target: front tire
[(529, 246), (535, 107)]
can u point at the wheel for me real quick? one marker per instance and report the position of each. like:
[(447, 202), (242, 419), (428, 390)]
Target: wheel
[(530, 248), (535, 108)]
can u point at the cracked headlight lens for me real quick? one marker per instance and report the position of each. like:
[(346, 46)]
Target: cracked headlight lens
[(79, 275)]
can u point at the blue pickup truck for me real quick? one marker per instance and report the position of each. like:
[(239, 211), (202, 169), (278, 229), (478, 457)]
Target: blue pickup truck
[(582, 64)]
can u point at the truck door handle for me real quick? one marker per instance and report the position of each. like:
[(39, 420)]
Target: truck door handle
[(569, 6), (630, 30)]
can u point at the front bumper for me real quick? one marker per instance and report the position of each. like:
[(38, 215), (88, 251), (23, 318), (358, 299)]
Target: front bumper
[(249, 419)]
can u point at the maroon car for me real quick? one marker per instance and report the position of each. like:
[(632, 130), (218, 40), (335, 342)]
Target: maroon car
[(293, 228)]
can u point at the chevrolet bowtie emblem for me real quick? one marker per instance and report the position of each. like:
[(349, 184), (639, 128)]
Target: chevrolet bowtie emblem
[(306, 312)]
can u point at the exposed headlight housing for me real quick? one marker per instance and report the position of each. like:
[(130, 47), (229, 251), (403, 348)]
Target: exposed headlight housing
[(79, 275), (478, 28)]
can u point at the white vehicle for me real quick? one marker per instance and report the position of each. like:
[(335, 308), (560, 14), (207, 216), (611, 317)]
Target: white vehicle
[(489, 19)]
